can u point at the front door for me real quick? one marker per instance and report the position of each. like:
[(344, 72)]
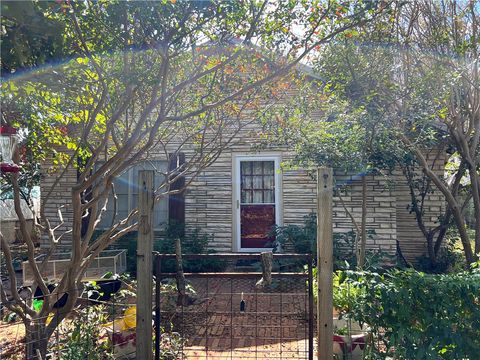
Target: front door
[(257, 204)]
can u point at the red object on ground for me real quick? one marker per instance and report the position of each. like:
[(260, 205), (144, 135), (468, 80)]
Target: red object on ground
[(9, 168), (7, 130)]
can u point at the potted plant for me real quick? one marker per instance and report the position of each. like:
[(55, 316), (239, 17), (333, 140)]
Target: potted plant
[(350, 337)]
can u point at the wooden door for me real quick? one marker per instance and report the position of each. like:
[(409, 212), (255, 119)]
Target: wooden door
[(258, 203)]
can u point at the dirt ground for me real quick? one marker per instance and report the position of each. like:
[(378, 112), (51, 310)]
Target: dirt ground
[(12, 339)]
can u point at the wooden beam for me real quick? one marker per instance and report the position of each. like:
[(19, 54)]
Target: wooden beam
[(325, 263), (144, 264)]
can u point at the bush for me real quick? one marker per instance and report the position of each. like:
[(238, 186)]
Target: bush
[(194, 242), (300, 239), (418, 315), (345, 292), (84, 336), (303, 240), (450, 258)]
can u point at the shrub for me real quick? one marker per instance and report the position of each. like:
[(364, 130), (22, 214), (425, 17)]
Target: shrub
[(194, 242), (449, 259), (345, 292), (303, 240), (420, 316), (300, 239), (84, 336)]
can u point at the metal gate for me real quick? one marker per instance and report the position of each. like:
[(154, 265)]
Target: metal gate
[(230, 318)]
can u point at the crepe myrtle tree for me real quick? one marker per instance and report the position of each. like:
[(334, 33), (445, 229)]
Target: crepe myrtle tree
[(451, 33), (421, 97), (146, 77), (432, 46)]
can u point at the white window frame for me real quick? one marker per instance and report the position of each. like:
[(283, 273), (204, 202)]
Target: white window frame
[(276, 158)]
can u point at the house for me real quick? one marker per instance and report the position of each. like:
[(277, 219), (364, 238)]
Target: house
[(246, 191)]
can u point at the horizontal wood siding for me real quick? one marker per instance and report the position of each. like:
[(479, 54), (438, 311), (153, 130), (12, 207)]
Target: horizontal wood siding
[(410, 238)]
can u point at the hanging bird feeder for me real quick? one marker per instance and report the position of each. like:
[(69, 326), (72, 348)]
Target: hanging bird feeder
[(8, 141)]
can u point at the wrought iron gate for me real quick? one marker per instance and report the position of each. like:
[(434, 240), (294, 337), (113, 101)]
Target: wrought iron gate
[(230, 318)]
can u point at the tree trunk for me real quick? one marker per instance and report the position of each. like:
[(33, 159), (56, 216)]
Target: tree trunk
[(36, 340), (431, 249), (449, 197), (363, 238), (181, 283), (267, 261), (475, 184)]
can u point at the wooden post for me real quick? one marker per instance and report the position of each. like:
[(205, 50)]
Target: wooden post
[(325, 263), (144, 265)]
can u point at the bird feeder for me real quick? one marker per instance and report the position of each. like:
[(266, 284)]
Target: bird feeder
[(8, 141)]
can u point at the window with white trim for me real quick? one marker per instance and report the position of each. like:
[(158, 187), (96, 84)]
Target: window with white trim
[(126, 189)]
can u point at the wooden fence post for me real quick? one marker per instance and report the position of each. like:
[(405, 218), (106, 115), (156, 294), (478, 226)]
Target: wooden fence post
[(144, 265), (325, 263)]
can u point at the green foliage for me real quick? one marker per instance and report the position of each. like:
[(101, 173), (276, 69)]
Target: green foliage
[(303, 240), (345, 292), (419, 316), (299, 239), (85, 339), (193, 242), (30, 37), (449, 259), (171, 346)]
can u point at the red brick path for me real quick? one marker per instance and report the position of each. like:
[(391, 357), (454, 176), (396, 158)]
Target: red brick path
[(274, 325)]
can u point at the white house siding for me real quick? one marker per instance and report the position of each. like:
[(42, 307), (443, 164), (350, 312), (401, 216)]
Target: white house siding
[(60, 198), (410, 238), (209, 202)]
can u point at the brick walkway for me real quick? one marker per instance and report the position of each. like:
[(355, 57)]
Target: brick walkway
[(274, 324)]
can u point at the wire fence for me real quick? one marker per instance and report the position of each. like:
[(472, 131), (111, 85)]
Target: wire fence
[(91, 329), (229, 317)]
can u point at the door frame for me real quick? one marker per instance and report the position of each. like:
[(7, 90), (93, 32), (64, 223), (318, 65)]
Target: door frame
[(276, 158)]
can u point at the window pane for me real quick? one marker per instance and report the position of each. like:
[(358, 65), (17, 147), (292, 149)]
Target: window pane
[(257, 196), (246, 168), (122, 202), (269, 196), (269, 182), (257, 182), (121, 184), (246, 197), (127, 193), (258, 167), (246, 182), (268, 167)]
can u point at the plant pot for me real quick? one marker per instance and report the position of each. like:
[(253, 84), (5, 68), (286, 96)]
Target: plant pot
[(39, 295), (124, 343), (105, 289), (349, 339)]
